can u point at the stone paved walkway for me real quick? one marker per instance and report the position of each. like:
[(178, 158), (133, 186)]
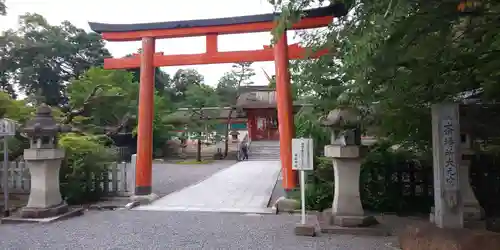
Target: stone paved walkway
[(170, 177), (245, 187)]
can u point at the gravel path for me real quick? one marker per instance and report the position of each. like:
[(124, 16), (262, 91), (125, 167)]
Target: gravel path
[(169, 177), (125, 229), (175, 230)]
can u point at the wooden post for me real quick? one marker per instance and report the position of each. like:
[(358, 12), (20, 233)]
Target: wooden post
[(144, 165), (285, 111)]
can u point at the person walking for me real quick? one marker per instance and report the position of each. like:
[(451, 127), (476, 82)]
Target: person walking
[(244, 150)]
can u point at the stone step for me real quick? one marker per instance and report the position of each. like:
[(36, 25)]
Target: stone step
[(265, 156), (264, 153), (263, 159), (257, 157)]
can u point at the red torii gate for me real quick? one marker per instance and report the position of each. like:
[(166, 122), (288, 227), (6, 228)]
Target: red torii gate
[(281, 52)]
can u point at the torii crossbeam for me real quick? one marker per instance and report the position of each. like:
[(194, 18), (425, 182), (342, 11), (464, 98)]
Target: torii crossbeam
[(280, 53)]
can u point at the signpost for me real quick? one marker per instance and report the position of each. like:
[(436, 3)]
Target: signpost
[(7, 129), (303, 160)]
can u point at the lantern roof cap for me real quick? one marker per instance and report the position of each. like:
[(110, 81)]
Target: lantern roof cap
[(43, 123)]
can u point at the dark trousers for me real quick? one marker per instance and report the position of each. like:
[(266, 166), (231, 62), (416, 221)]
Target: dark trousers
[(245, 153)]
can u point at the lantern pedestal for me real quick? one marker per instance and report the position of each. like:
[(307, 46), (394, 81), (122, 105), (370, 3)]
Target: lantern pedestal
[(45, 197), (347, 210), (472, 208)]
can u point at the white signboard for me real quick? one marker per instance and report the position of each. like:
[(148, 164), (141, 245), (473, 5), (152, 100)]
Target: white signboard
[(7, 127), (302, 153)]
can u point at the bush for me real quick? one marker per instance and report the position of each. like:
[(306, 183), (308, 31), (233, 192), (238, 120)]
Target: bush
[(319, 186), (85, 164)]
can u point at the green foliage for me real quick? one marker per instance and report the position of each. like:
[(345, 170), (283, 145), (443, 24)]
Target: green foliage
[(163, 129), (228, 87), (319, 187), (98, 88), (181, 81), (86, 163), (200, 96), (3, 8), (394, 58), (307, 125), (382, 171), (18, 111), (14, 109), (379, 188), (40, 58), (197, 98), (229, 90)]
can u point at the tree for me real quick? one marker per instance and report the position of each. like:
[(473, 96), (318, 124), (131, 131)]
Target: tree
[(118, 92), (393, 59), (163, 80), (182, 80), (197, 98), (98, 88), (229, 90), (3, 8), (41, 58)]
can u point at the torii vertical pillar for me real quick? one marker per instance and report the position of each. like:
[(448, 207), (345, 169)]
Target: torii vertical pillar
[(144, 164), (285, 111)]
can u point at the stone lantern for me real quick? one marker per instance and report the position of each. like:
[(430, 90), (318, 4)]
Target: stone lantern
[(43, 159), (472, 208), (346, 153)]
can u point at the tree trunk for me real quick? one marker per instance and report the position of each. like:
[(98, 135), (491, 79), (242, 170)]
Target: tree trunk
[(198, 150), (228, 125)]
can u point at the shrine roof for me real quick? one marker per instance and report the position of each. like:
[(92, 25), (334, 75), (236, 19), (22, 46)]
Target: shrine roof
[(335, 10), (259, 88), (184, 114)]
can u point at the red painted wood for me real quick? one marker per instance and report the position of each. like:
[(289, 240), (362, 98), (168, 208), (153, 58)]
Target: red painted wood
[(262, 124), (285, 111), (251, 124), (160, 60), (144, 171)]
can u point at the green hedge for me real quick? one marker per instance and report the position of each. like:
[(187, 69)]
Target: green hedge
[(381, 188), (86, 163)]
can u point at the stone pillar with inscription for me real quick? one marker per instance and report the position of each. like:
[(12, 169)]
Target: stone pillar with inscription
[(448, 203)]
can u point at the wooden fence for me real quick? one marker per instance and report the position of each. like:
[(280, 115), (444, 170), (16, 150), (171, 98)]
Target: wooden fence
[(403, 187), (120, 179)]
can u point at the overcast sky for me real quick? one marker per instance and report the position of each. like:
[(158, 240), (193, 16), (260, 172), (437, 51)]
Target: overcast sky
[(133, 11)]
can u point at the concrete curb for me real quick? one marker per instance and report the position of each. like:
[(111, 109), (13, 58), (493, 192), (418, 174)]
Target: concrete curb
[(141, 200), (392, 247), (132, 204)]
